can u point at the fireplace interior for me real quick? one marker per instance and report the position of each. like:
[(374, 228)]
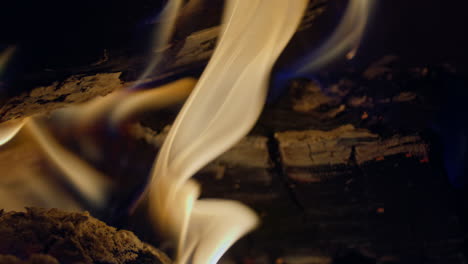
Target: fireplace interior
[(363, 161)]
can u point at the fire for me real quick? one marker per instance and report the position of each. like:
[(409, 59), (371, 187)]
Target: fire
[(86, 180), (222, 108), (8, 130), (346, 39), (5, 57), (163, 32)]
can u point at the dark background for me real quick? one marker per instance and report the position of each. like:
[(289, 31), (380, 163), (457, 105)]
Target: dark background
[(426, 31), (64, 34), (418, 29)]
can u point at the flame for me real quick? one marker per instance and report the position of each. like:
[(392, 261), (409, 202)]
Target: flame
[(5, 57), (119, 107), (345, 39), (78, 174), (9, 129), (92, 184), (152, 99), (223, 107), (163, 32)]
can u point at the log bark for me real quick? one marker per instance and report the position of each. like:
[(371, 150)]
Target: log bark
[(44, 99), (187, 54), (53, 236)]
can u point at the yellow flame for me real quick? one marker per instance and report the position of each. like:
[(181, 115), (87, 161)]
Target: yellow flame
[(5, 57), (345, 39), (152, 99), (223, 107), (84, 178), (25, 181), (163, 33), (91, 183), (119, 107), (9, 129)]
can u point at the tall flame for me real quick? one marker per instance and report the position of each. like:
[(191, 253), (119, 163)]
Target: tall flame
[(223, 107)]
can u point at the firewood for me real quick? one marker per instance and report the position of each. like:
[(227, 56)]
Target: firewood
[(44, 99), (53, 236), (188, 53)]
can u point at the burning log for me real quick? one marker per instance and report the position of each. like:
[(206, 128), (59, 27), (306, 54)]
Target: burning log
[(54, 236), (344, 192), (44, 99), (313, 169), (189, 51)]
